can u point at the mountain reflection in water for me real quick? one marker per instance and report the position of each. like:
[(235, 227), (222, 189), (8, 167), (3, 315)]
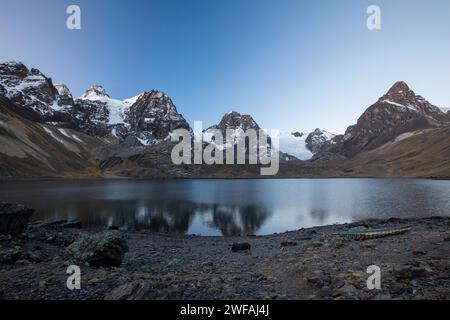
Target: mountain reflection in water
[(228, 207), (174, 217)]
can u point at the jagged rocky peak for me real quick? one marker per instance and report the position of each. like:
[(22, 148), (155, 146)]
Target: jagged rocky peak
[(62, 89), (156, 98), (94, 92), (154, 106), (13, 68), (400, 88), (25, 86), (319, 139), (402, 98), (33, 94), (153, 116), (235, 120), (64, 97), (297, 134)]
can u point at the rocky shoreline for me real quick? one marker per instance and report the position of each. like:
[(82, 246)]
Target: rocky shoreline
[(312, 263)]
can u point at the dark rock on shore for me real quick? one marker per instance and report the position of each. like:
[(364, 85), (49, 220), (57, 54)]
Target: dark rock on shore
[(14, 218), (99, 250), (236, 247)]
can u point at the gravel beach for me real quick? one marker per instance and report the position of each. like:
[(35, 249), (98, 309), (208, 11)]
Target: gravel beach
[(310, 263)]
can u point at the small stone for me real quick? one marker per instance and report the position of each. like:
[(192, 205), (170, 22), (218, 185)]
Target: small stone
[(398, 288), (289, 243), (347, 290), (236, 247), (10, 256), (326, 292), (72, 225), (147, 269), (383, 296), (409, 272), (35, 256), (317, 244), (23, 262), (315, 281), (339, 244), (338, 283), (129, 291), (94, 281), (173, 262)]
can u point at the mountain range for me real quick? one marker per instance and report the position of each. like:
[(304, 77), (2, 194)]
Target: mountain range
[(46, 132)]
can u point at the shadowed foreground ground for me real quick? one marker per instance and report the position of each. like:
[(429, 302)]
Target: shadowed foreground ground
[(304, 264)]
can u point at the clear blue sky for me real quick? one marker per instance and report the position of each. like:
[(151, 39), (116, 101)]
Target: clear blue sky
[(292, 64)]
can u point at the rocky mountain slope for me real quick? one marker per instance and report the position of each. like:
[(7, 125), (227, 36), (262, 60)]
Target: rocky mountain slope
[(400, 110), (30, 149), (422, 153)]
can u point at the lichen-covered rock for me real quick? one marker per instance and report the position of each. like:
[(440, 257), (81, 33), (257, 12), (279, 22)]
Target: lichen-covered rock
[(99, 250), (14, 218)]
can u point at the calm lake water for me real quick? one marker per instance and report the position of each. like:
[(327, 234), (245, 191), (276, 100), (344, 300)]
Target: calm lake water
[(228, 207)]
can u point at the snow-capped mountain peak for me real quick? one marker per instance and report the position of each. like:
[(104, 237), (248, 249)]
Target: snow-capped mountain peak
[(31, 90), (153, 116), (116, 109), (319, 139), (62, 89), (95, 92), (235, 120), (149, 116)]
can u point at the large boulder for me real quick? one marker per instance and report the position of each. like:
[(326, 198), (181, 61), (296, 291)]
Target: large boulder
[(99, 250), (14, 218)]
